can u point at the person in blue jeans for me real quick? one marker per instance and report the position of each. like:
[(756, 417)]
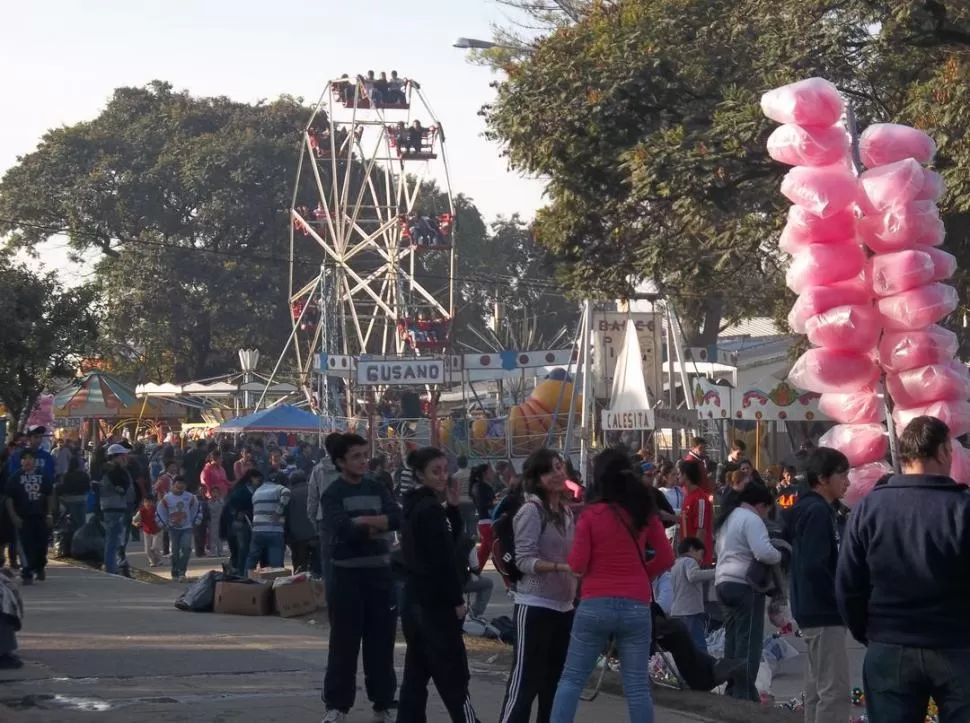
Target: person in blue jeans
[(620, 546), (687, 582), (269, 522), (115, 485), (179, 512), (236, 520)]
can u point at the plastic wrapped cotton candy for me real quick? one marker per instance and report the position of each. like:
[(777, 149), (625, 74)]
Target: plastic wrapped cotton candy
[(855, 328), (861, 443), (955, 415), (892, 185), (918, 307), (823, 191), (804, 228), (810, 102), (824, 264), (933, 186), (944, 264), (932, 383), (863, 407), (800, 146), (901, 271), (915, 224), (832, 371), (862, 480), (884, 143), (903, 350), (960, 463), (819, 299)]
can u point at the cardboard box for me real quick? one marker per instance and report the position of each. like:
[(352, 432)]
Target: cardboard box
[(269, 573), (294, 598), (243, 598), (319, 594)]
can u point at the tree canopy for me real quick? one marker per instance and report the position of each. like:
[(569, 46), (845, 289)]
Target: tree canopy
[(47, 330), (644, 117)]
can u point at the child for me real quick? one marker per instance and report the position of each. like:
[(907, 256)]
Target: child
[(215, 503), (178, 512), (687, 580), (202, 528), (146, 521), (30, 507)]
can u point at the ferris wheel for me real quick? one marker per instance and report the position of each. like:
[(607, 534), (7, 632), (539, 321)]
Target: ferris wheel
[(372, 204)]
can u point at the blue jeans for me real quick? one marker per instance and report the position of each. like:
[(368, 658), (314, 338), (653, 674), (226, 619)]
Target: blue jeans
[(181, 542), (240, 534), (114, 535), (696, 625), (269, 542), (744, 632), (596, 619), (899, 681)]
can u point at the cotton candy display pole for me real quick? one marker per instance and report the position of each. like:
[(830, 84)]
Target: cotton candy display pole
[(829, 269)]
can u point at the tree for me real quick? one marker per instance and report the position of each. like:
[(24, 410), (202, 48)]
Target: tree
[(46, 331), (644, 117), (187, 200)]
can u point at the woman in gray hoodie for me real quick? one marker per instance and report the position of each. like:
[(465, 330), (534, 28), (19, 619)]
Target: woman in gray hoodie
[(544, 595)]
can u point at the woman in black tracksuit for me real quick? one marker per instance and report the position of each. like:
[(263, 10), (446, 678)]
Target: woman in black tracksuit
[(434, 608)]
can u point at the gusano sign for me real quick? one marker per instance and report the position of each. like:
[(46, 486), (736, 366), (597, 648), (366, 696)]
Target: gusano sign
[(401, 372)]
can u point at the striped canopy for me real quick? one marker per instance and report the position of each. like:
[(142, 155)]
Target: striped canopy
[(96, 394)]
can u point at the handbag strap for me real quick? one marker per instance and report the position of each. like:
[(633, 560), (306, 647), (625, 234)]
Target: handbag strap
[(633, 536)]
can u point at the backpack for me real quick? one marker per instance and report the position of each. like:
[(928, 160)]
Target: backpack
[(503, 549), (505, 627)]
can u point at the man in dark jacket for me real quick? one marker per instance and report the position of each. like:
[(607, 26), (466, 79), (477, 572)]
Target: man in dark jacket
[(903, 583), (814, 537)]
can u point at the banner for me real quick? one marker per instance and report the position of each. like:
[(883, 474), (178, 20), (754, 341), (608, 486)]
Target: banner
[(608, 329), (400, 372)]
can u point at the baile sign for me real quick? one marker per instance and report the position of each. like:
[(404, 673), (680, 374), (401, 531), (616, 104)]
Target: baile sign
[(400, 372)]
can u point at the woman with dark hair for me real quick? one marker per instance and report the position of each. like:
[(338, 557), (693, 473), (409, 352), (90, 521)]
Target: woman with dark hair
[(434, 608), (743, 540), (613, 536), (543, 529), (236, 520), (483, 495)]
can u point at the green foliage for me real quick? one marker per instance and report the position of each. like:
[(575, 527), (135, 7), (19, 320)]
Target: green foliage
[(644, 117), (46, 331)]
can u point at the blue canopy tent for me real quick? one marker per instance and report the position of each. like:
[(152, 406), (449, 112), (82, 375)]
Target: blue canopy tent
[(282, 418)]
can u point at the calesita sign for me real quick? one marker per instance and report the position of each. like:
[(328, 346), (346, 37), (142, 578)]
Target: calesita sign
[(400, 372), (629, 420)]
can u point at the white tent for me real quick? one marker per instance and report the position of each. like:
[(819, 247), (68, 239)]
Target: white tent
[(630, 407)]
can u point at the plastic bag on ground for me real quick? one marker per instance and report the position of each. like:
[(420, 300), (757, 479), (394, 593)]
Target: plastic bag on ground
[(928, 384), (833, 371), (933, 186), (901, 271), (862, 407), (862, 480), (903, 350), (883, 143), (88, 542), (201, 595), (861, 443), (819, 299), (823, 191), (824, 264), (808, 146), (919, 307), (892, 185), (955, 415), (809, 102), (845, 327), (903, 227), (804, 228)]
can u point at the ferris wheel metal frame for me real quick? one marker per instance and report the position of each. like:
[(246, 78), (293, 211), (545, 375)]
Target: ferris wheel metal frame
[(367, 288)]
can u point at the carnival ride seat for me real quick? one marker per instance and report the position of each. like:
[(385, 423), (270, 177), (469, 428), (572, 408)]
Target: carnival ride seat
[(427, 232), (344, 92), (424, 334), (428, 137), (311, 317)]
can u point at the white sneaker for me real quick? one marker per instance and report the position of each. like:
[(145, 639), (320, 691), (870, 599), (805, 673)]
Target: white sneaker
[(334, 716), (384, 716)]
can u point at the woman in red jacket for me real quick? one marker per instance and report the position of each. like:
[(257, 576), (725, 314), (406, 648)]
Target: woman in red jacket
[(620, 546)]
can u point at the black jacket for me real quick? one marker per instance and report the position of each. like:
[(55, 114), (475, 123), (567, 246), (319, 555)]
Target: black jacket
[(483, 495), (429, 536), (812, 531), (904, 567)]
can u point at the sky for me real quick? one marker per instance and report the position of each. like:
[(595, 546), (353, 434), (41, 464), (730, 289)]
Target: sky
[(62, 59)]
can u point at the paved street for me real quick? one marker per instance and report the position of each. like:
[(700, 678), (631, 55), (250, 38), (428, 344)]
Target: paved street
[(107, 649)]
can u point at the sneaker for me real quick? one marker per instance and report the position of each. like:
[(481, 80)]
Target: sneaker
[(41, 575), (726, 669), (384, 716), (334, 716), (10, 662)]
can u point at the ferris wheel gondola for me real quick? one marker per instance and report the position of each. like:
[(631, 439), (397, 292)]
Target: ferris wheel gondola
[(372, 256)]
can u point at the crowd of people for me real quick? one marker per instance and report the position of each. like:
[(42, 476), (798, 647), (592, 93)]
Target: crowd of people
[(378, 89)]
